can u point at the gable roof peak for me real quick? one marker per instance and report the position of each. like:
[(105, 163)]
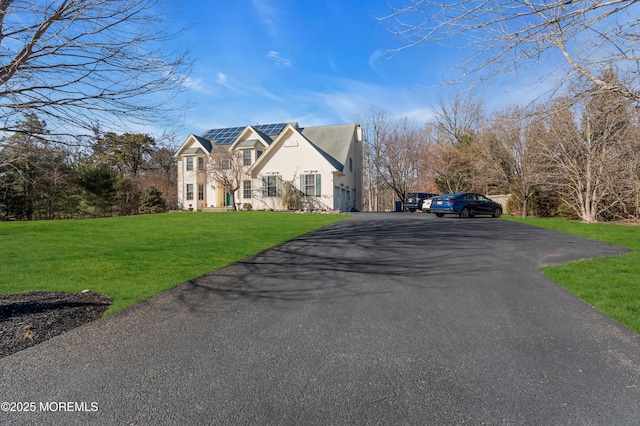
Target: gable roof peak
[(191, 140)]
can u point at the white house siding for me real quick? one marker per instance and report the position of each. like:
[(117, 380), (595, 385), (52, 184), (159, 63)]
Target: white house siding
[(188, 177), (337, 198), (181, 187), (346, 185), (193, 177), (294, 156), (255, 187), (344, 143)]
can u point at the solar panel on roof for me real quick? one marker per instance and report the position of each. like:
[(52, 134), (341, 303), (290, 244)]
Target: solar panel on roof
[(223, 136), (270, 129), (228, 135)]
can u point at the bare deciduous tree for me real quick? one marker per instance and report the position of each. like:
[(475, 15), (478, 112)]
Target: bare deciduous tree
[(459, 120), (400, 157), (376, 127), (528, 176), (76, 62), (494, 157), (456, 168), (226, 169), (585, 152), (587, 36), (509, 157), (162, 173), (428, 166), (459, 117), (631, 191)]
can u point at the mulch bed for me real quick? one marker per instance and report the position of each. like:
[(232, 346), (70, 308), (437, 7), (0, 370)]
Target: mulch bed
[(27, 319)]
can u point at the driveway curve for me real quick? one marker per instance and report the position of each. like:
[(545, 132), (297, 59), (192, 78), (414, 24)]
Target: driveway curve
[(378, 319)]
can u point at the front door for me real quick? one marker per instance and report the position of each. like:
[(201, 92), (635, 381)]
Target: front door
[(228, 199)]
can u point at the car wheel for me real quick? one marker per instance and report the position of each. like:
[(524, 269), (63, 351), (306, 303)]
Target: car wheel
[(466, 212), (439, 214), (497, 212)]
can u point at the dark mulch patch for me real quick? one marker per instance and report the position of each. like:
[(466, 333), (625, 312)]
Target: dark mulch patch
[(27, 319)]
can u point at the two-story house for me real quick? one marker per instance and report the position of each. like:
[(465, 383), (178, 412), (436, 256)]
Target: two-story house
[(242, 166)]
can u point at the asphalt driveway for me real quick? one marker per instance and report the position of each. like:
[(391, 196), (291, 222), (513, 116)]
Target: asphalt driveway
[(363, 322)]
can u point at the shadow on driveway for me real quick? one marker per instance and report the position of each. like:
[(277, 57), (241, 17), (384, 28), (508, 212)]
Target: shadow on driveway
[(333, 262), (378, 319)]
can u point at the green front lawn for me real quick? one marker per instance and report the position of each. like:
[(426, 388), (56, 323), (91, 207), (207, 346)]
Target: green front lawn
[(132, 258), (610, 284)]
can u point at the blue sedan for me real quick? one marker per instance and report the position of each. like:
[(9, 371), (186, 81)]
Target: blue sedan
[(465, 204)]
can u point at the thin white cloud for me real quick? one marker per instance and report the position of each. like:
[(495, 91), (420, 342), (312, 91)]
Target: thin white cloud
[(419, 115), (277, 59), (333, 65), (375, 59), (223, 80), (197, 85), (268, 14), (347, 99), (256, 92), (341, 101), (261, 91)]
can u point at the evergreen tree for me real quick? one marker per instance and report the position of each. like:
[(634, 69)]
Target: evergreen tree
[(35, 174), (152, 201), (99, 186)]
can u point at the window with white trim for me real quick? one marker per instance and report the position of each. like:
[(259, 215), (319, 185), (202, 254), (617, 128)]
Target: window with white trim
[(310, 185), (189, 191), (222, 163), (189, 163), (200, 192), (271, 186), (246, 189), (246, 158)]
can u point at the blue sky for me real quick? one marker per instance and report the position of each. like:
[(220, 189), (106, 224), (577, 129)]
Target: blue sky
[(315, 62)]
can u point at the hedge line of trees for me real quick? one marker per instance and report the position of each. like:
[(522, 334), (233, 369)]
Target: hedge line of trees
[(41, 177), (577, 155)]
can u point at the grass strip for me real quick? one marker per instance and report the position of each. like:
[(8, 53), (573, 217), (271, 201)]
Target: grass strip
[(133, 258), (610, 284)]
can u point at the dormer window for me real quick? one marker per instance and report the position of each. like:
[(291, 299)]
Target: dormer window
[(246, 158), (189, 163)]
